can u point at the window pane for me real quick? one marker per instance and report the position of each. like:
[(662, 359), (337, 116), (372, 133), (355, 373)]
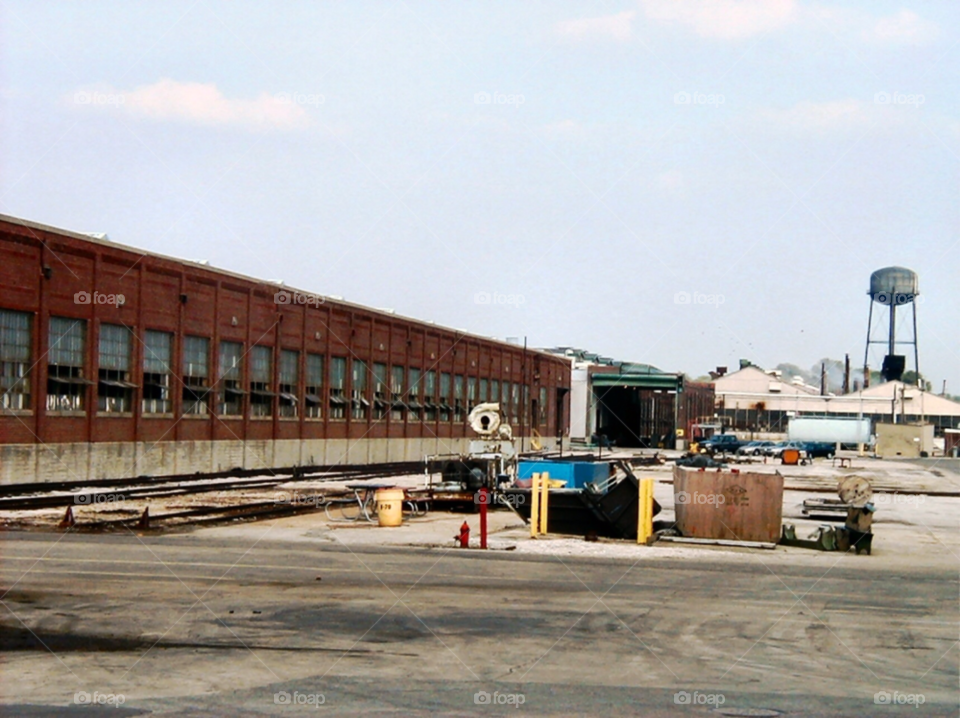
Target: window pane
[(157, 352), (196, 372), (359, 401), (14, 336), (359, 375), (66, 385), (289, 383), (314, 370), (14, 360), (260, 364), (289, 367), (380, 377), (230, 376), (67, 339), (338, 372), (114, 347), (231, 354), (313, 400), (196, 357), (338, 383)]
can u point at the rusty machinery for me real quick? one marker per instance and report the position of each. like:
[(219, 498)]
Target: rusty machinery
[(856, 507), (490, 461)]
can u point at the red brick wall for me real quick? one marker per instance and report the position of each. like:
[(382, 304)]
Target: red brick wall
[(184, 299)]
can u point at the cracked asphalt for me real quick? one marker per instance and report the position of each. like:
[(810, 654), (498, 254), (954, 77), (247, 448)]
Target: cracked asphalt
[(191, 625)]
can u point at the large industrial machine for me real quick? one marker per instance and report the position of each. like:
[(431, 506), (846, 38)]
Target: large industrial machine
[(490, 462)]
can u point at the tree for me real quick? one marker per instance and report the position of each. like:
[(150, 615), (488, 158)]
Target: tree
[(910, 377)]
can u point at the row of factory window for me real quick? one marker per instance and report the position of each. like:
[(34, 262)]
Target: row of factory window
[(397, 391)]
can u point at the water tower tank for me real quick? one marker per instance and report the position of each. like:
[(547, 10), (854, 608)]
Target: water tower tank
[(893, 285)]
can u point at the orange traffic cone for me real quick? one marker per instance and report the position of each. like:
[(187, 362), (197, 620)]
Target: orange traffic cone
[(68, 520)]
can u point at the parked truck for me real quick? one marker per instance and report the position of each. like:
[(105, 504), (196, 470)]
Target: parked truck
[(721, 444)]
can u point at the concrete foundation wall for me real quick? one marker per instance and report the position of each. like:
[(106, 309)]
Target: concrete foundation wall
[(45, 463)]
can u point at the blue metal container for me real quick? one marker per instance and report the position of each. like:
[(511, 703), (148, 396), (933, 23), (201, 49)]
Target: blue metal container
[(575, 473)]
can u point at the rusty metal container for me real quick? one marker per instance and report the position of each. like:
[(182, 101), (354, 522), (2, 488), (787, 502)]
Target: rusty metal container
[(741, 506)]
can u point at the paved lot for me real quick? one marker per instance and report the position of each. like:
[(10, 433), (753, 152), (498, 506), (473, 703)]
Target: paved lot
[(207, 624)]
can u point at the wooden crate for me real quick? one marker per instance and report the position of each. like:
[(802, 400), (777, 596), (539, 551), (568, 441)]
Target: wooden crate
[(745, 506)]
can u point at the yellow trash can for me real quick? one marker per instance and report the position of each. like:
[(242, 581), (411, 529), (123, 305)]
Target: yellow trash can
[(390, 507)]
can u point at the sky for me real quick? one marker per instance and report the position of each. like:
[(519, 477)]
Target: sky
[(683, 183)]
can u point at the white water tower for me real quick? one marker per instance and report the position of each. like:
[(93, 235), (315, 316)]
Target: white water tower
[(892, 288)]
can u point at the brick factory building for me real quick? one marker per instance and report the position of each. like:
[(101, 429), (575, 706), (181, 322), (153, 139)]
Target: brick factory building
[(116, 362)]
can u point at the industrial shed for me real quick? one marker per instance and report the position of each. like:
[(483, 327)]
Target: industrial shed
[(116, 362), (631, 404)]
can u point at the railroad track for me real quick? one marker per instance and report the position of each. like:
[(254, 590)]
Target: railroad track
[(209, 514), (59, 495)]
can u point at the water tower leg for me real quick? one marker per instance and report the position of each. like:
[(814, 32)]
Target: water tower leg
[(892, 347), (916, 349)]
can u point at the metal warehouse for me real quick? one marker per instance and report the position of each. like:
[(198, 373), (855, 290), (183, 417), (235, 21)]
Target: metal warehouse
[(116, 362)]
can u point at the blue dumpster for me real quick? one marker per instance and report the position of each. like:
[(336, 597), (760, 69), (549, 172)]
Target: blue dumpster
[(575, 473)]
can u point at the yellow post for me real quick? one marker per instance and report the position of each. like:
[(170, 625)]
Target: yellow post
[(645, 511), (544, 493), (534, 505)]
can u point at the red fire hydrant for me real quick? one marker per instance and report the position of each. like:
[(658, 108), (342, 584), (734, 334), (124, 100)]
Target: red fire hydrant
[(463, 538)]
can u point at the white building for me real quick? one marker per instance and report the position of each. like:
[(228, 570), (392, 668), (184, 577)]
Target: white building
[(752, 399)]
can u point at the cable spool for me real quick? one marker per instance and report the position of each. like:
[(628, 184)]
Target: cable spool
[(484, 419), (856, 491)]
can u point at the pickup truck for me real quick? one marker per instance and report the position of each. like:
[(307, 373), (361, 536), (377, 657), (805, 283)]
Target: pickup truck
[(725, 443)]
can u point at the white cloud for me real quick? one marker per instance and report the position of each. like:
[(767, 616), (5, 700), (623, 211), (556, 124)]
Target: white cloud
[(817, 116), (671, 180), (202, 104), (617, 27), (564, 129), (903, 28), (723, 19)]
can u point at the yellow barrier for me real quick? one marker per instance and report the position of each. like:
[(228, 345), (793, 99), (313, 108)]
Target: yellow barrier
[(544, 493), (645, 511), (534, 505), (539, 491)]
